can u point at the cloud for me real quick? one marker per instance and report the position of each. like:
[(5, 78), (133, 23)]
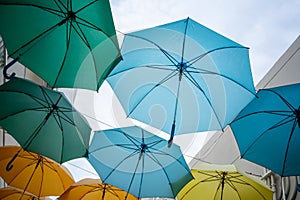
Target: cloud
[(268, 29)]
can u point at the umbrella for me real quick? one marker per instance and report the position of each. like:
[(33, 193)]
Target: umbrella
[(182, 77), (67, 43), (224, 182), (33, 173), (43, 121), (138, 162), (10, 193), (90, 189), (268, 129)]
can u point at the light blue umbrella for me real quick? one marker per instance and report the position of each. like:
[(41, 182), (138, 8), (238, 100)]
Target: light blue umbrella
[(138, 162), (268, 130), (182, 77)]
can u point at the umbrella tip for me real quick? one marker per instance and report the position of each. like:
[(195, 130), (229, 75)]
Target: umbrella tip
[(170, 142)]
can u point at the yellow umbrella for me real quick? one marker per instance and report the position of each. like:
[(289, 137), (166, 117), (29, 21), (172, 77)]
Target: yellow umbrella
[(90, 189), (33, 173), (10, 193), (224, 182)]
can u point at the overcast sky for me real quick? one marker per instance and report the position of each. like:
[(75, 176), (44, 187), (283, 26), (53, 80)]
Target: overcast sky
[(268, 28)]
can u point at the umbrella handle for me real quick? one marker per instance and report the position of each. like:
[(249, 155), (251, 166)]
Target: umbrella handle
[(8, 66), (170, 142), (9, 165)]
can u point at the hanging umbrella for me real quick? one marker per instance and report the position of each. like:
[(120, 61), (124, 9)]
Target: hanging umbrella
[(43, 121), (138, 162), (67, 43), (224, 182), (182, 77), (90, 189), (268, 129), (33, 173), (10, 193)]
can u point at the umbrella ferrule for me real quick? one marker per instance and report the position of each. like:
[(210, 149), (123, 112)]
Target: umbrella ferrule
[(297, 113), (143, 149), (70, 16)]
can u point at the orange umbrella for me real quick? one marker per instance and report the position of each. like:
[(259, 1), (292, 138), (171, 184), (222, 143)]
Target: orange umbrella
[(33, 173), (90, 189), (10, 193)]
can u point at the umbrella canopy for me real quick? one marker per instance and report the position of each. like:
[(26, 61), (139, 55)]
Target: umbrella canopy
[(67, 43), (10, 193), (268, 129), (224, 182), (90, 189), (138, 162), (33, 173), (43, 121), (182, 77)]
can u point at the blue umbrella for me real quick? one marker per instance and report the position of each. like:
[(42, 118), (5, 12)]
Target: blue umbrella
[(138, 162), (182, 77), (267, 130)]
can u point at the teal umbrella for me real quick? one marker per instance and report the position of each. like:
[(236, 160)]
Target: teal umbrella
[(139, 162), (182, 77), (267, 130), (43, 120), (67, 43)]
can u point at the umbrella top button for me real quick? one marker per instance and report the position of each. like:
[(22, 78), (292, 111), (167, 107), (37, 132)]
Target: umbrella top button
[(182, 66), (54, 107), (143, 147), (71, 15)]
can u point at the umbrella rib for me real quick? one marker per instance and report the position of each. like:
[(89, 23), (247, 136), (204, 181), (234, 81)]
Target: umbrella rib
[(81, 168), (37, 99), (194, 82), (134, 173), (160, 152), (273, 112), (57, 118), (168, 77), (288, 146), (68, 34), (201, 181), (59, 4), (163, 169), (90, 25), (120, 162), (160, 67), (282, 98), (133, 141), (202, 71), (197, 58), (87, 5), (50, 10), (230, 183), (184, 38), (280, 123), (81, 35), (168, 56), (27, 184), (42, 34)]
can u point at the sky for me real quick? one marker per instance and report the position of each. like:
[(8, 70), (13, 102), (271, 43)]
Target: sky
[(268, 28)]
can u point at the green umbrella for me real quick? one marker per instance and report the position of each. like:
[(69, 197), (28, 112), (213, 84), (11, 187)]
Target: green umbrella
[(43, 120), (67, 43)]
